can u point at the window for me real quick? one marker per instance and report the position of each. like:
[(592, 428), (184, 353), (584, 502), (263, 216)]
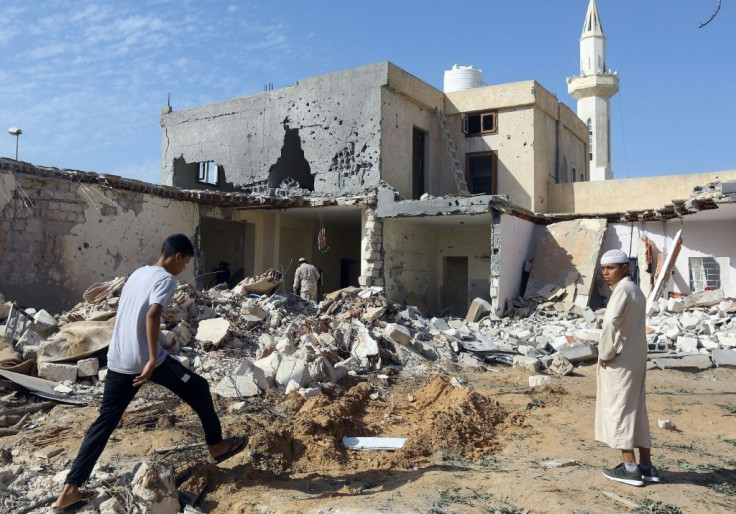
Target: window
[(708, 273), (480, 123), (575, 175), (208, 173), (590, 139), (481, 173)]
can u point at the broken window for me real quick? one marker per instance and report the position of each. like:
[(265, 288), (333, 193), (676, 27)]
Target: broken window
[(208, 173), (707, 273), (481, 173), (479, 124)]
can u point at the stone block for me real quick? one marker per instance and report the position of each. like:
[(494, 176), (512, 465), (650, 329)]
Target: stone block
[(675, 305), (478, 308), (530, 363), (250, 320), (671, 329), (704, 298), (284, 347), (727, 339), (580, 353), (57, 371), (245, 381), (269, 366), (309, 392), (237, 408), (253, 309), (30, 338), (88, 367), (292, 368), (687, 344), (321, 370), (371, 314), (724, 358), (398, 333), (292, 387), (44, 323), (102, 375), (689, 363), (30, 352), (588, 334), (539, 380), (560, 366), (214, 330)]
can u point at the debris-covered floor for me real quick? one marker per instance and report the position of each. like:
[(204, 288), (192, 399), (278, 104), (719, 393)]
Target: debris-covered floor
[(497, 414)]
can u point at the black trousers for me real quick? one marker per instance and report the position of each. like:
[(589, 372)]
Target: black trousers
[(119, 392)]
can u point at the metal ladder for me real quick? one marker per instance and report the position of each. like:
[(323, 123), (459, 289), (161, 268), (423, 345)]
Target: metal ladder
[(457, 170)]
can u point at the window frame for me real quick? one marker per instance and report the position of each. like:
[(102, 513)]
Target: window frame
[(493, 154), (205, 171), (465, 123)]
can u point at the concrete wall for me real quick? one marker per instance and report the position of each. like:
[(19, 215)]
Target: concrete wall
[(516, 245), (700, 239), (77, 234), (628, 194), (529, 118), (414, 254), (328, 125)]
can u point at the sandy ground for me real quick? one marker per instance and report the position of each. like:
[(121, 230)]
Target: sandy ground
[(479, 448)]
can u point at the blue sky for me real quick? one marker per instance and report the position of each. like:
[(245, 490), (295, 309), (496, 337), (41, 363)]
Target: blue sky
[(85, 80)]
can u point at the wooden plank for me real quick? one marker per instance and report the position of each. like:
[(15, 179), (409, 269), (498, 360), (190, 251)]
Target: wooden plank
[(669, 264)]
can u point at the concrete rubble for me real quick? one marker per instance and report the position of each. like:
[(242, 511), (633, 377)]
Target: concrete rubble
[(249, 345)]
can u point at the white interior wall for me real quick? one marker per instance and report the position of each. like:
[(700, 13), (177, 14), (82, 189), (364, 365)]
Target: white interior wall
[(516, 243), (699, 239)]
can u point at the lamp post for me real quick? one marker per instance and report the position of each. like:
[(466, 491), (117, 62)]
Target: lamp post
[(15, 131)]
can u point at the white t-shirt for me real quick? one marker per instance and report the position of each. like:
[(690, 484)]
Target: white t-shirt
[(128, 351)]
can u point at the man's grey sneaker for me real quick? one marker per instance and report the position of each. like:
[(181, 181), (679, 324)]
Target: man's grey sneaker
[(649, 474), (619, 474)]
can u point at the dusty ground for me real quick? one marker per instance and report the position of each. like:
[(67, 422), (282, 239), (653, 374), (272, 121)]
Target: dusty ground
[(474, 449)]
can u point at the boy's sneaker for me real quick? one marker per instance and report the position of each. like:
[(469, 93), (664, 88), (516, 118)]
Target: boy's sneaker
[(620, 474), (649, 474)]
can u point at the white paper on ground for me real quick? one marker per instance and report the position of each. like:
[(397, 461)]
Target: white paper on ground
[(374, 443)]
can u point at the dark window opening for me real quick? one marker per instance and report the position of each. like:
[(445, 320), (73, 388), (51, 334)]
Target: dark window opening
[(481, 173), (590, 139), (481, 123), (208, 173), (418, 162)]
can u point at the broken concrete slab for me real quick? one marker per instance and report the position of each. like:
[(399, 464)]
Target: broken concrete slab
[(675, 305), (40, 387), (213, 330), (560, 366), (688, 363), (478, 309), (580, 353), (398, 333), (292, 368), (724, 358), (44, 323), (539, 380), (530, 363), (57, 372), (704, 298), (687, 344), (88, 367), (269, 365)]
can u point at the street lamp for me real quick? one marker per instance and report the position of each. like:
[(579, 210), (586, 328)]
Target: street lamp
[(15, 131)]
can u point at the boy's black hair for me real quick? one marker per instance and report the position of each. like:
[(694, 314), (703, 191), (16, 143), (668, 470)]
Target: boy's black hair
[(178, 243)]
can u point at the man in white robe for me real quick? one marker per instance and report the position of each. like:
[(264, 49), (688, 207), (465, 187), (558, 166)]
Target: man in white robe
[(621, 410)]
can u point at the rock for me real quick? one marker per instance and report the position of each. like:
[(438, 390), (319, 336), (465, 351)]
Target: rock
[(727, 339), (580, 353), (675, 305), (63, 389), (5, 309), (666, 424), (250, 320), (30, 352), (309, 392), (557, 463), (457, 382), (155, 489), (292, 368), (688, 321), (589, 316), (561, 341), (321, 370), (111, 506), (687, 344), (539, 380), (57, 371), (704, 298), (237, 408), (398, 334), (671, 329), (49, 452), (688, 363), (102, 375), (269, 366), (167, 340), (214, 330), (468, 360), (708, 343), (88, 367), (182, 333), (292, 387), (364, 347), (44, 323), (10, 473), (724, 358), (588, 335), (30, 338), (253, 309), (530, 363), (478, 308), (371, 314), (245, 381)]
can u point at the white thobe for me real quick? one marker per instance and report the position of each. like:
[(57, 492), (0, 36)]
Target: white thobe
[(621, 408)]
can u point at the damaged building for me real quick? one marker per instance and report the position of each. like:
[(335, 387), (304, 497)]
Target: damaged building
[(379, 179)]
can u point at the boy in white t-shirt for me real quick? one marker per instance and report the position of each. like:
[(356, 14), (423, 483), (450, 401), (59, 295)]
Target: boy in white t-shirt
[(135, 357)]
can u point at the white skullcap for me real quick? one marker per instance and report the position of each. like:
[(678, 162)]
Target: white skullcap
[(615, 257)]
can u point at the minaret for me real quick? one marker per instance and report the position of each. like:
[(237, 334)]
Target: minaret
[(593, 90)]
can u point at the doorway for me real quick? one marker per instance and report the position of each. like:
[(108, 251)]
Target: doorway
[(455, 281), (224, 245)]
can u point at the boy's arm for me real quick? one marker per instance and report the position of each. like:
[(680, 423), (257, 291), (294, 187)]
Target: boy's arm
[(153, 324)]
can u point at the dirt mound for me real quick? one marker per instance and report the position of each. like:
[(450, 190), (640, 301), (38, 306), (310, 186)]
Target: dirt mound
[(452, 420), (457, 422)]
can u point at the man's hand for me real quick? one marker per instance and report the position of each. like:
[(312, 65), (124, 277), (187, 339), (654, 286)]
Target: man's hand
[(145, 374)]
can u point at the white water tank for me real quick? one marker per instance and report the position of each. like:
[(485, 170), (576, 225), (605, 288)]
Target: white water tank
[(462, 77)]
